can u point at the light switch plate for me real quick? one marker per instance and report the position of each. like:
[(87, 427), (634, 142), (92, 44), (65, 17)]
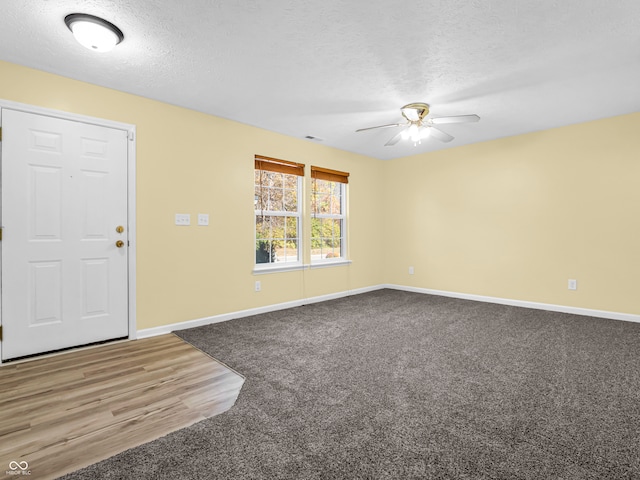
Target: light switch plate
[(183, 219), (203, 219)]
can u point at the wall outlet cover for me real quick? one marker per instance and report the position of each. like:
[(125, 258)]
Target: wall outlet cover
[(203, 219), (183, 219)]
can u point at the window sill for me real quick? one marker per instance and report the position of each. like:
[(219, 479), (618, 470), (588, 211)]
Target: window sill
[(330, 263), (298, 266), (278, 268)]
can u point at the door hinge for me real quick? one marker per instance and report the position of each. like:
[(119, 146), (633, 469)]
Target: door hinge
[(0, 234), (0, 333), (0, 134)]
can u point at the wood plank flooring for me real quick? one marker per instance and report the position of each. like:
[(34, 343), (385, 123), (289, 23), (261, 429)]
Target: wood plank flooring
[(67, 411)]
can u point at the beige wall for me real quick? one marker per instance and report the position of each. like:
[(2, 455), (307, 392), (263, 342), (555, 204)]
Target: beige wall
[(512, 218), (517, 217), (189, 162)]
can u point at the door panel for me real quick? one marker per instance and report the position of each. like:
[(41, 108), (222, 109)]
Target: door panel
[(44, 204), (64, 192), (45, 293), (95, 192), (95, 287)]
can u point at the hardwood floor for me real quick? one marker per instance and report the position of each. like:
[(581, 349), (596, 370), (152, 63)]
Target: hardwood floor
[(67, 411)]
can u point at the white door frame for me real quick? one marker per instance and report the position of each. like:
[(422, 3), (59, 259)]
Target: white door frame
[(131, 192)]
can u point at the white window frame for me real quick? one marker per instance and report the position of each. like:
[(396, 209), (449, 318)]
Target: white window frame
[(343, 229), (282, 266)]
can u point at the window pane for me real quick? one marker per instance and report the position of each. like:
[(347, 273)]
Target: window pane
[(290, 200), (291, 182), (267, 178), (277, 228), (277, 180), (322, 186), (323, 202), (272, 179), (264, 252), (336, 205), (291, 227), (335, 227), (290, 251), (333, 252), (262, 227), (260, 198), (328, 227), (316, 232), (276, 200)]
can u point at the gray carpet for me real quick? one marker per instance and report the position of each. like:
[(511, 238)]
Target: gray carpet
[(391, 384)]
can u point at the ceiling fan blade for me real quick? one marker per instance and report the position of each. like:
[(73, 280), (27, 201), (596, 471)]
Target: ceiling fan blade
[(395, 139), (440, 135), (379, 126), (455, 119)]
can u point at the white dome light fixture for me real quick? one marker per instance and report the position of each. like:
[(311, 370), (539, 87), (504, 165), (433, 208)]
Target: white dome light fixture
[(93, 32)]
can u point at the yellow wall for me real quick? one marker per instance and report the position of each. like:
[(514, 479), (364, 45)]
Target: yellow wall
[(512, 218), (189, 162), (517, 217)]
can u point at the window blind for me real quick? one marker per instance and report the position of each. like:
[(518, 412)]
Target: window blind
[(276, 165), (330, 175)]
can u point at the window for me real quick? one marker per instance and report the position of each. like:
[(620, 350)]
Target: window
[(328, 218), (277, 189)]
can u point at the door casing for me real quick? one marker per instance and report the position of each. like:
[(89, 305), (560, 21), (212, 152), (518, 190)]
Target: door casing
[(131, 192)]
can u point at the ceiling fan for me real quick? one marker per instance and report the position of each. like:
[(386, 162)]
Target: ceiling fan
[(419, 127)]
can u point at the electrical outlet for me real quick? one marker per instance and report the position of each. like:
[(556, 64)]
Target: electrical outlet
[(203, 219), (410, 270), (258, 286), (183, 219), (572, 284)]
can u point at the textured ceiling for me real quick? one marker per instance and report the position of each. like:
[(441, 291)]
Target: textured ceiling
[(326, 68)]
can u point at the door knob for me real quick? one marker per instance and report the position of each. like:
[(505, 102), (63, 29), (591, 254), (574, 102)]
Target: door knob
[(119, 229), (119, 244)]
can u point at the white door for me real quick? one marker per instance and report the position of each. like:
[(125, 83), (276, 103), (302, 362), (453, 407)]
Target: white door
[(64, 195)]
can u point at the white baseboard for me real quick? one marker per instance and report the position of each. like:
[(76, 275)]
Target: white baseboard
[(627, 317), (154, 331)]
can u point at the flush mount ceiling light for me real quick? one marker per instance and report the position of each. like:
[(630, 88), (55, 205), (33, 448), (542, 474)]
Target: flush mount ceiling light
[(94, 33)]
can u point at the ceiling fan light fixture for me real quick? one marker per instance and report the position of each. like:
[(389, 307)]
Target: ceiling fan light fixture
[(410, 114), (418, 126), (93, 32), (414, 133)]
